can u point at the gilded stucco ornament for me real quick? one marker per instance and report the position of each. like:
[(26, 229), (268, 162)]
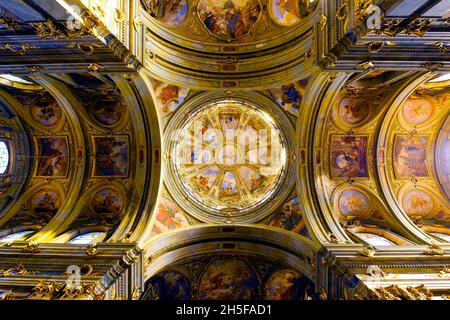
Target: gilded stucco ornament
[(396, 292), (35, 69), (393, 27), (86, 47), (16, 271), (21, 49), (432, 66), (360, 9), (95, 67), (368, 251), (375, 46), (323, 21), (366, 65), (441, 46)]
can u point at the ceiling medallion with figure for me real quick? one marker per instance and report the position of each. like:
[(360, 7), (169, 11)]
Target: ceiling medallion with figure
[(229, 160)]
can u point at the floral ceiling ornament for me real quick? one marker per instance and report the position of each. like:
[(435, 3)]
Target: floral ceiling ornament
[(21, 49), (342, 13)]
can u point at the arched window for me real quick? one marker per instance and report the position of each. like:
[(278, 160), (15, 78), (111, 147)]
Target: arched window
[(4, 157), (86, 238), (15, 236), (445, 237), (374, 239)]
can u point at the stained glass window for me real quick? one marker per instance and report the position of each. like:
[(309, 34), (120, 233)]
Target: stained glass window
[(4, 157), (86, 238), (15, 236), (374, 240), (443, 236)]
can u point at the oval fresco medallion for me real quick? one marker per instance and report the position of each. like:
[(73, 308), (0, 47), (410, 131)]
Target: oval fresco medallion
[(284, 285), (353, 202), (46, 200), (228, 280), (169, 97), (47, 113), (107, 200), (171, 285), (417, 203), (170, 12), (353, 111), (228, 19), (108, 112), (285, 12)]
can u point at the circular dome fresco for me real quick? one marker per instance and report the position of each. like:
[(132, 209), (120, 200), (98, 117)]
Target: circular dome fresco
[(442, 157), (229, 159)]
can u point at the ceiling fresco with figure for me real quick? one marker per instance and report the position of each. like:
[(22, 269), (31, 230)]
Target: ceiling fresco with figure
[(237, 21), (86, 136)]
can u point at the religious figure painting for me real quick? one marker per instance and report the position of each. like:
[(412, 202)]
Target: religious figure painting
[(229, 19), (410, 158), (286, 284), (417, 110), (171, 285), (226, 279), (107, 201), (108, 111), (53, 156), (47, 112), (348, 156), (353, 110), (169, 97), (170, 12), (111, 156), (289, 217)]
